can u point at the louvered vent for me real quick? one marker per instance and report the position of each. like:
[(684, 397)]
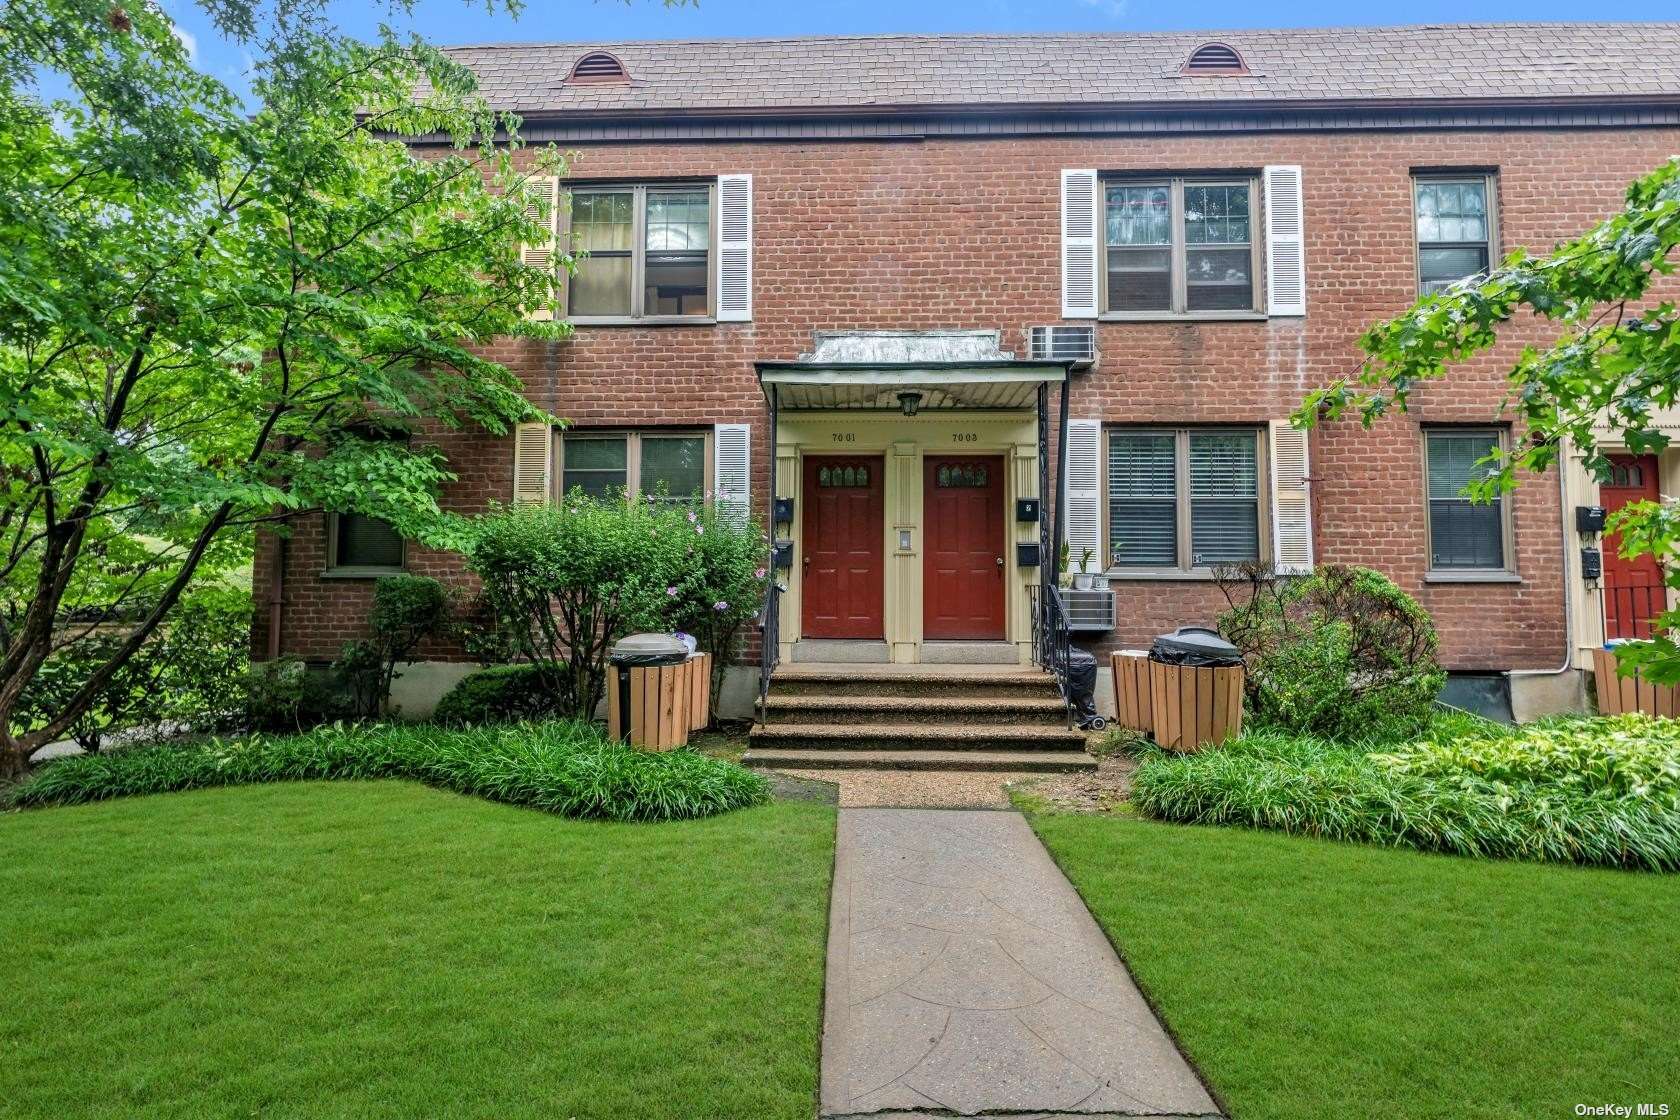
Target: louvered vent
[(1056, 343), (1214, 58), (598, 66)]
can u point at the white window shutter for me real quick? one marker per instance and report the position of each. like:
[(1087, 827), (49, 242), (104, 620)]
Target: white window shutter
[(732, 470), (1084, 491), (533, 453), (1286, 242), (1079, 244), (1292, 543), (734, 249), (540, 254)]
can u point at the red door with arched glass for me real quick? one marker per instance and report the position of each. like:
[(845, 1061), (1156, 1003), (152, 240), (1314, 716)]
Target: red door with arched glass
[(963, 561), (1633, 589), (842, 539)]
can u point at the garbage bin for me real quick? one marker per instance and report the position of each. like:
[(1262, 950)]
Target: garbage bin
[(1082, 689), (648, 691), (1195, 687)]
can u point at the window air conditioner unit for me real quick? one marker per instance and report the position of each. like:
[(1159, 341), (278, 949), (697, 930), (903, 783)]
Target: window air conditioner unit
[(1089, 612), (1062, 342)]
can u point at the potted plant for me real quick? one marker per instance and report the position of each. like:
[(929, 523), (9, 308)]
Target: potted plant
[(1062, 577), (1082, 578)]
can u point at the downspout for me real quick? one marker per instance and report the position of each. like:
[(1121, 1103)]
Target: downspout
[(1568, 602)]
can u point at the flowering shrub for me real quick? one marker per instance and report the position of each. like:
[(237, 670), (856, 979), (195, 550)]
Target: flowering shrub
[(568, 580)]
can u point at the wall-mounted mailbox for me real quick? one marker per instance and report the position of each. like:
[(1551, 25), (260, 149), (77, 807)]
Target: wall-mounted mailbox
[(1589, 519), (781, 554), (1592, 563), (1026, 553), (904, 540), (1026, 509), (784, 511)]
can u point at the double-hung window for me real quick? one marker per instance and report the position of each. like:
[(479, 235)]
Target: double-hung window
[(1456, 228), (1180, 246), (1184, 500), (659, 466), (1464, 536), (646, 252)]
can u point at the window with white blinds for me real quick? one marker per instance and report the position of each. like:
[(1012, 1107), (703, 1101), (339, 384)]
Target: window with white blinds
[(1183, 500), (1463, 535), (1455, 228)]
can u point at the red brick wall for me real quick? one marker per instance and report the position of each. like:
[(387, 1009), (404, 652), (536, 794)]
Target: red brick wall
[(965, 233)]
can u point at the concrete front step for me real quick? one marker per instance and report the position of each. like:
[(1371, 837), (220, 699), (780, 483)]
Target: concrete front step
[(910, 681), (1041, 761), (915, 737), (952, 711)]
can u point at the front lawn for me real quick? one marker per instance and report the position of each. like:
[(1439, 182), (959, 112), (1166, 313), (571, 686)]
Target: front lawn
[(1313, 979), (345, 949)]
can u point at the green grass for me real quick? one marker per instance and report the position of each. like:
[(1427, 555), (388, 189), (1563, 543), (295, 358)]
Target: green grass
[(1313, 979), (571, 769), (383, 949), (1603, 792)]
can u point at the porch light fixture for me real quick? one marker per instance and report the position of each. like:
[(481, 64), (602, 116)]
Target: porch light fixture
[(909, 402)]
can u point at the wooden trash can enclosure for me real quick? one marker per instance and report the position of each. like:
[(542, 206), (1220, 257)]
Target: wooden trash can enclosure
[(1195, 689), (1132, 701), (699, 666), (651, 692), (1618, 695)]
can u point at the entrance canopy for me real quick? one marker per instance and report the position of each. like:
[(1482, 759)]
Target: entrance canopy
[(874, 370)]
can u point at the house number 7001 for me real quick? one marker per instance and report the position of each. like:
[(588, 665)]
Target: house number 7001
[(845, 437)]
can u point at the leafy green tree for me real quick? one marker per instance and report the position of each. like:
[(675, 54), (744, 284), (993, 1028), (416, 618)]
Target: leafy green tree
[(1615, 366), (213, 318)]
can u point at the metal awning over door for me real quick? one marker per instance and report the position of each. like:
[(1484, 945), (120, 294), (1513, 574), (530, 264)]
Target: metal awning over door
[(872, 370)]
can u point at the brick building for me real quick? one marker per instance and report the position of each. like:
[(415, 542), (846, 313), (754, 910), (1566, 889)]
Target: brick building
[(869, 231)]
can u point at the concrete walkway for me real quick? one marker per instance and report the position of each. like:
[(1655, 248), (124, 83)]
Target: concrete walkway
[(966, 977)]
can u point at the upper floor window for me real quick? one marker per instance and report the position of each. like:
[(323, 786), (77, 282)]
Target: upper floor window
[(1464, 536), (1179, 246), (658, 465), (1184, 500), (1456, 231), (648, 252)]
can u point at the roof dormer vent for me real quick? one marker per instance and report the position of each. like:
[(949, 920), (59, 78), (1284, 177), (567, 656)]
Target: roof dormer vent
[(598, 67), (1215, 58)]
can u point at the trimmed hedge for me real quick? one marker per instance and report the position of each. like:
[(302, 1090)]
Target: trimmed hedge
[(569, 769), (1516, 796), (505, 693)]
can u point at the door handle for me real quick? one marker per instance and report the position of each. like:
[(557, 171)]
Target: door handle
[(1000, 561)]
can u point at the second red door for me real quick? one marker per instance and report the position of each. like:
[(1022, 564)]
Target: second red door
[(962, 548)]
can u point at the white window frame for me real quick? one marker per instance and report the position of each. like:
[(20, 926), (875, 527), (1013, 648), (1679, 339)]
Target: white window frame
[(633, 438), (1490, 198), (1179, 279), (638, 249), (1182, 498)]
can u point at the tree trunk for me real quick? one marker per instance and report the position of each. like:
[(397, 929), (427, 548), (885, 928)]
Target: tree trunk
[(14, 761)]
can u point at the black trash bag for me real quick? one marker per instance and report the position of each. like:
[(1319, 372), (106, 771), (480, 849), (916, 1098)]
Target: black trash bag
[(1195, 645), (1082, 687)]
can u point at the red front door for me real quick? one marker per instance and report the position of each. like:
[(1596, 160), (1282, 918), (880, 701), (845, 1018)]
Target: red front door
[(842, 542), (963, 561), (1633, 589)]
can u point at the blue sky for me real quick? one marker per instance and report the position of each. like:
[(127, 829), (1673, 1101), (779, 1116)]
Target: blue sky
[(450, 22)]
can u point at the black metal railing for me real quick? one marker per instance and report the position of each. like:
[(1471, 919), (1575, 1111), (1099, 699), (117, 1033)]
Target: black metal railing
[(770, 640), (1052, 639)]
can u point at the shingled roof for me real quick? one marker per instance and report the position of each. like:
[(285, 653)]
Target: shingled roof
[(1448, 62)]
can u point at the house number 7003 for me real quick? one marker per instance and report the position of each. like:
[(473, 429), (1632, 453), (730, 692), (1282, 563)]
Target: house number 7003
[(965, 437)]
